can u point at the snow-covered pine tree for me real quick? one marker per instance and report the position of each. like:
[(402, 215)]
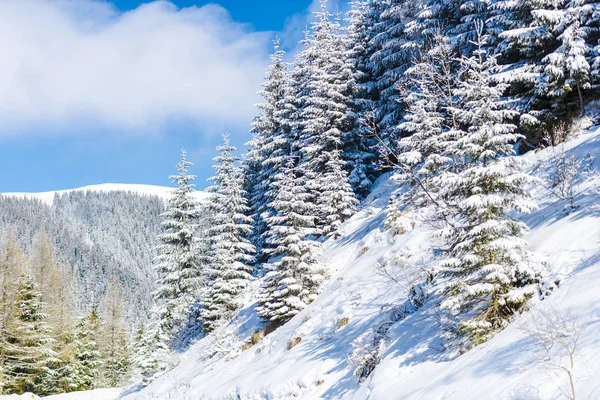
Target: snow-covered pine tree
[(231, 252), (28, 351), (421, 155), (526, 38), (488, 274), (267, 148), (294, 274), (394, 52), (180, 272), (567, 70), (152, 356), (429, 123), (336, 202), (360, 145), (325, 103), (83, 370)]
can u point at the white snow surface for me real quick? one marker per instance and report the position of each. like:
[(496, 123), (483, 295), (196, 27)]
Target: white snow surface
[(149, 190), (415, 364), (97, 394)]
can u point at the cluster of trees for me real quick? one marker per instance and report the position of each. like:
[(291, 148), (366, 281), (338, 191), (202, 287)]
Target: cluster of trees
[(96, 236), (44, 347), (438, 91)]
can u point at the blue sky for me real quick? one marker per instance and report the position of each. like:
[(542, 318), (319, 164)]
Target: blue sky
[(100, 92), (262, 14)]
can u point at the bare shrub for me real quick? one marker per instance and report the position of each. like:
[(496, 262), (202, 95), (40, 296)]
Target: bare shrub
[(558, 334)]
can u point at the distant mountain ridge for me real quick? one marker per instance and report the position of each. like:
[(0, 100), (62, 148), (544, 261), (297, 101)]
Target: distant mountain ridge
[(141, 189)]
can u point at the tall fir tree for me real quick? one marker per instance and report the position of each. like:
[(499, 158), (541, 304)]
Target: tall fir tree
[(11, 264), (231, 252), (180, 272), (393, 53), (293, 278), (325, 101), (56, 289), (268, 146), (488, 274), (359, 144)]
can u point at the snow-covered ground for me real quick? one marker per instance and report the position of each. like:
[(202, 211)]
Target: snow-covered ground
[(415, 364), (150, 190), (98, 394)]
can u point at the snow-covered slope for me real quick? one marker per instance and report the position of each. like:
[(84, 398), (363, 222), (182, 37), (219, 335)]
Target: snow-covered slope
[(98, 394), (151, 190), (309, 356)]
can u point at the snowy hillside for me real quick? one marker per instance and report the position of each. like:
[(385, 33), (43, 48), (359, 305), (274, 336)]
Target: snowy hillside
[(98, 394), (362, 306), (150, 190)]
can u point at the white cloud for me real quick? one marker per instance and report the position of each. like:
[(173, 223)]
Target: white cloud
[(71, 63)]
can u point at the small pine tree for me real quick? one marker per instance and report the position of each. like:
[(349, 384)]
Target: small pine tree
[(28, 353), (231, 252), (152, 356), (84, 369)]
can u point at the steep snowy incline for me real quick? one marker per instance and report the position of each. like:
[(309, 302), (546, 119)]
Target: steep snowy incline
[(150, 190), (360, 310)]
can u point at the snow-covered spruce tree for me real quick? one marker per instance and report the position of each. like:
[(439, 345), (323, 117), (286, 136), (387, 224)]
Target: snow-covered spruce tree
[(537, 60), (566, 69), (267, 148), (179, 269), (83, 371), (488, 274), (421, 155), (325, 103), (231, 252), (294, 274), (359, 144), (394, 53), (152, 356), (336, 202), (28, 351)]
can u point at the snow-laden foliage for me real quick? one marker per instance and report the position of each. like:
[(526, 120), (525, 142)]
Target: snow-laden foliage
[(271, 142), (323, 116), (178, 265), (489, 270), (153, 354), (230, 250), (294, 274)]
